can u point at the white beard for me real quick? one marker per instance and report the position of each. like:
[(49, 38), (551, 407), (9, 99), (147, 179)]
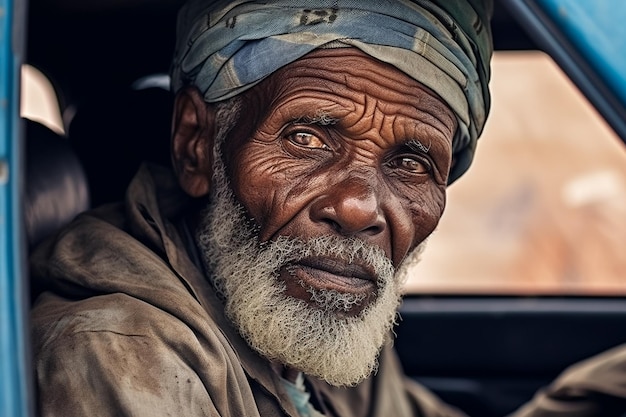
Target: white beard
[(308, 336)]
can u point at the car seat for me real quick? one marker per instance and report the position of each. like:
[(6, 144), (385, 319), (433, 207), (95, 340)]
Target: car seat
[(55, 184)]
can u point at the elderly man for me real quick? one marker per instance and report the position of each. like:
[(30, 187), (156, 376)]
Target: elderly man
[(312, 143)]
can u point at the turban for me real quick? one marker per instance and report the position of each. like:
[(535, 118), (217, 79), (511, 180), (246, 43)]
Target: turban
[(226, 47)]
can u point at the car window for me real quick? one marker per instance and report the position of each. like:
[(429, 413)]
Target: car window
[(541, 209)]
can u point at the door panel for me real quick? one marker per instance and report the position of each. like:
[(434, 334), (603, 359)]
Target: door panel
[(489, 355)]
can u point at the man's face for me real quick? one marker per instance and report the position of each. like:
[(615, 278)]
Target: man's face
[(335, 171), (340, 144)]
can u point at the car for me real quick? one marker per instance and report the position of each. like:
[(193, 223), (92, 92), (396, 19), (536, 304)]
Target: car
[(481, 345)]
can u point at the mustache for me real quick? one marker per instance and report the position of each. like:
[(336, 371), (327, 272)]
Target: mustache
[(349, 254)]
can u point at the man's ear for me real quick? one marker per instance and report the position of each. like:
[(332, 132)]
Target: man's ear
[(193, 131)]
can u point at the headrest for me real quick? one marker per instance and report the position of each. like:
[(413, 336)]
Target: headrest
[(56, 187)]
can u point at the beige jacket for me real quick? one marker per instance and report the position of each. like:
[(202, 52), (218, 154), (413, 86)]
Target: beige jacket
[(129, 326), (595, 387)]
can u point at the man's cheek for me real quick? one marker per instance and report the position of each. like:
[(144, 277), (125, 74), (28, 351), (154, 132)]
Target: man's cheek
[(267, 186), (426, 209)]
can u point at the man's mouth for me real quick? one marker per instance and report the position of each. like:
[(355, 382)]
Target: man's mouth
[(334, 274)]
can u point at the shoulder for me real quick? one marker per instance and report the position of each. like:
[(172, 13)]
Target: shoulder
[(112, 329), (118, 355)]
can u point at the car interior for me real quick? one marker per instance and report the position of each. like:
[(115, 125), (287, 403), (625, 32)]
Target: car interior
[(107, 61)]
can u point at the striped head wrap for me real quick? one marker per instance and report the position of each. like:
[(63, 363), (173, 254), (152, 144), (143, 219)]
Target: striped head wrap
[(226, 47)]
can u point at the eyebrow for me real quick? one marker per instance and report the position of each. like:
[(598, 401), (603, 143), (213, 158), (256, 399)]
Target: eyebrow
[(417, 146), (321, 118)]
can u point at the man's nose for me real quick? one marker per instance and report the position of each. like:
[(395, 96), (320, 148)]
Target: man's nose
[(351, 207)]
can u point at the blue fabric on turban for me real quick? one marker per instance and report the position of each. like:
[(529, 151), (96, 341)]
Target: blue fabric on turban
[(226, 47)]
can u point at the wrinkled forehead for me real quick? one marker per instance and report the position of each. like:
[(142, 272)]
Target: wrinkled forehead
[(336, 82)]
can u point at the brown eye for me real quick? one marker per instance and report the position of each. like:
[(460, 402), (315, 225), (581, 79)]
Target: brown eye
[(411, 165), (306, 140)]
